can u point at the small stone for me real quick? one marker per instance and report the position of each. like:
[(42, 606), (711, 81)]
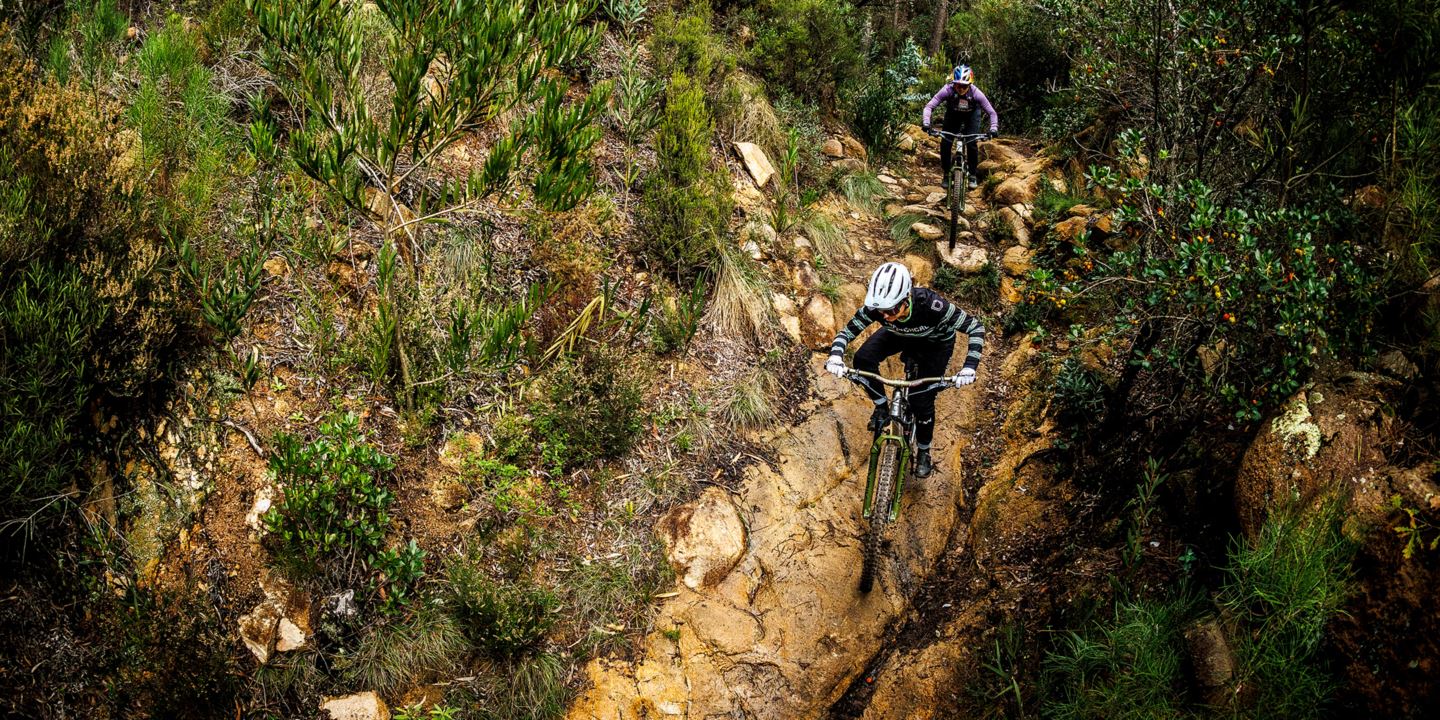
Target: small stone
[(290, 637), (926, 231), (968, 259), (905, 143), (277, 267), (921, 269), (263, 499), (934, 198), (849, 165), (853, 148), (833, 148), (885, 179), (806, 278), (360, 706), (756, 163)]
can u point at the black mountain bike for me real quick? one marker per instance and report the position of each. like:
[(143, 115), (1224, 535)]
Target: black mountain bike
[(955, 196), (890, 456)]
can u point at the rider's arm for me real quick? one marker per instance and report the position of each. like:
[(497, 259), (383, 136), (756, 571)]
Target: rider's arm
[(989, 110), (970, 325), (857, 325), (940, 97)]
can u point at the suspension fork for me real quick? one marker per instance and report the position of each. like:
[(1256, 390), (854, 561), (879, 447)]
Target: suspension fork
[(898, 407)]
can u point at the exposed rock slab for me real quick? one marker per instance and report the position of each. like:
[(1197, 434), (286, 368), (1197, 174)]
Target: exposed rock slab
[(703, 538), (360, 706), (785, 632), (967, 259)]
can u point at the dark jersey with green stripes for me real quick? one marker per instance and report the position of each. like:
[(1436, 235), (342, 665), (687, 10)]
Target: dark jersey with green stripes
[(932, 317)]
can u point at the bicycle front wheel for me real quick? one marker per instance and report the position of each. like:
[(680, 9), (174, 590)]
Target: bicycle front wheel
[(957, 196), (887, 473)]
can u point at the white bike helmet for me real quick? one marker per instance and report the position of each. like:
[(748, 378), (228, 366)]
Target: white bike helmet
[(889, 286)]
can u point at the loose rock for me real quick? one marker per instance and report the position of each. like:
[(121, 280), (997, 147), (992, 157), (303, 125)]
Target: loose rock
[(833, 148), (967, 259), (926, 231), (756, 163), (1018, 261), (360, 706)]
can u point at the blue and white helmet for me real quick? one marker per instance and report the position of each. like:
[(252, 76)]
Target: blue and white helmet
[(889, 286), (963, 75)]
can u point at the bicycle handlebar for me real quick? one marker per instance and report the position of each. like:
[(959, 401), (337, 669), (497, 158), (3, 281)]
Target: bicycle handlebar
[(959, 136), (851, 374)]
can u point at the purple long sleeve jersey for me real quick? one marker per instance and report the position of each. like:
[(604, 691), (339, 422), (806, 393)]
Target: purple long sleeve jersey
[(962, 102)]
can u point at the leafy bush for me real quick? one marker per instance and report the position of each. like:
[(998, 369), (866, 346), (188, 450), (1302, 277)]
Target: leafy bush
[(1079, 392), (502, 619), (878, 110), (334, 507), (591, 409), (89, 307), (686, 204), (809, 47)]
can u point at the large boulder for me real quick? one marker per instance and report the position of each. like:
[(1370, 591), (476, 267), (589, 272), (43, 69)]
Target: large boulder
[(1324, 440), (756, 162), (1016, 189), (704, 538)]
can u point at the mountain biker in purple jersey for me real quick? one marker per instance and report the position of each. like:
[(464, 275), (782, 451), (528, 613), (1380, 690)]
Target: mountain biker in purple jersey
[(922, 326), (963, 103)]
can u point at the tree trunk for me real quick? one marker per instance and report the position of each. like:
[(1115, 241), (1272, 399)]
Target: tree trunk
[(942, 17)]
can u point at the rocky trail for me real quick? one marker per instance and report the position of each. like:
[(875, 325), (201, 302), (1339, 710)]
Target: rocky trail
[(767, 622)]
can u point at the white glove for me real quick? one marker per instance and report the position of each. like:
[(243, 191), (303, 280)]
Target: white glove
[(835, 366), (965, 377)]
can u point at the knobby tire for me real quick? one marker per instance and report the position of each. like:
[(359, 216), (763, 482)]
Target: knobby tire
[(885, 474), (957, 193)]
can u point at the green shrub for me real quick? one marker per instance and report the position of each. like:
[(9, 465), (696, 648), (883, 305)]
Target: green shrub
[(1079, 392), (878, 110), (591, 409), (397, 572), (809, 47), (686, 204), (686, 45), (678, 319), (89, 306), (1128, 667), (503, 619), (335, 509)]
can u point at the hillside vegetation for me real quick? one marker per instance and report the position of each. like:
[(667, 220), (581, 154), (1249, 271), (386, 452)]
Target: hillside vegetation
[(390, 354)]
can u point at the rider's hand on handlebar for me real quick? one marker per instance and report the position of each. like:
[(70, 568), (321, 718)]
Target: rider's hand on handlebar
[(835, 366), (965, 377)]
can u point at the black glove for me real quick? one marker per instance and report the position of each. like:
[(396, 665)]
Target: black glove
[(991, 135), (930, 131)]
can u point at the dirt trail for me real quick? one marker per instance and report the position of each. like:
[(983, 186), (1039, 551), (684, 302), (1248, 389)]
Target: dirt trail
[(785, 634)]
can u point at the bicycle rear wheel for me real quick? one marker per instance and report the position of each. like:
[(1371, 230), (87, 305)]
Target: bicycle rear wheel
[(886, 473)]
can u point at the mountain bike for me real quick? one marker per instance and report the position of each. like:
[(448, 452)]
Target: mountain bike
[(890, 466), (955, 196)]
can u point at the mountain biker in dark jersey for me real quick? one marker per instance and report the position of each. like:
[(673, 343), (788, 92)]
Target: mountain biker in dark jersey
[(963, 104), (919, 324)]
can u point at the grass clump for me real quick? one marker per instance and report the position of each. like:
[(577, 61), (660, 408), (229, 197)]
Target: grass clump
[(1128, 668), (863, 190), (1286, 586), (502, 619), (403, 654)]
